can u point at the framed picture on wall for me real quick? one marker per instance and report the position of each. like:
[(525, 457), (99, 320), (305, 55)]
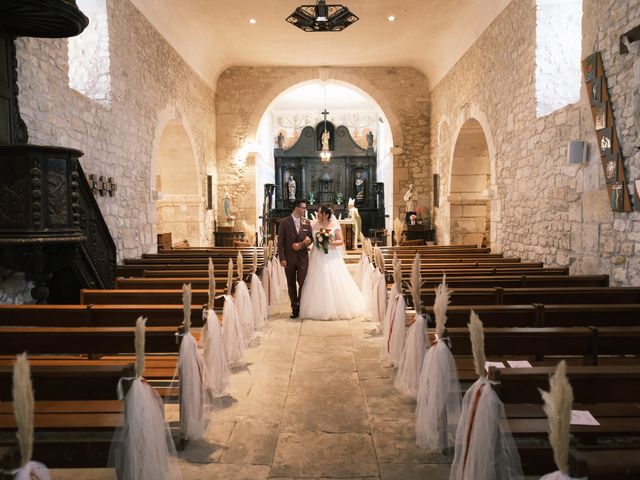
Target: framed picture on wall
[(617, 196), (596, 91), (436, 190), (590, 68), (209, 192), (610, 164), (605, 141), (601, 115)]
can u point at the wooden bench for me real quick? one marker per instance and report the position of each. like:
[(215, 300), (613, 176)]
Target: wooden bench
[(145, 297)]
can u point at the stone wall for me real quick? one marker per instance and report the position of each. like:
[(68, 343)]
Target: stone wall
[(542, 208), (243, 94), (151, 86)]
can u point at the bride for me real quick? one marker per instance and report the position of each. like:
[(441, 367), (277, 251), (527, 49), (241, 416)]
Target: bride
[(329, 291)]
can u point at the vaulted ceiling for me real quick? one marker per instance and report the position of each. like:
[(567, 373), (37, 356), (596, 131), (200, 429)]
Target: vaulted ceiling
[(212, 35)]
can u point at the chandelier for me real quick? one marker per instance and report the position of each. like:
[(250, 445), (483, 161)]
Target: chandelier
[(322, 17)]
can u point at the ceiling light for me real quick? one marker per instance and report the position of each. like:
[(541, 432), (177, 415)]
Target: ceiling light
[(391, 18), (252, 21), (322, 17)]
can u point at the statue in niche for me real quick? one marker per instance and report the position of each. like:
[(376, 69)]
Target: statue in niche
[(370, 139), (280, 140), (359, 181), (634, 50), (410, 202), (291, 187), (325, 140)]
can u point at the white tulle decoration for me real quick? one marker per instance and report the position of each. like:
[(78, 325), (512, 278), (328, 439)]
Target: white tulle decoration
[(193, 417), (484, 446), (360, 269), (245, 310), (143, 448), (397, 270), (254, 266), (230, 277), (438, 402), (32, 471), (557, 405), (266, 281), (214, 358), (393, 293), (394, 334), (415, 348), (378, 300), (232, 330), (440, 306), (258, 302)]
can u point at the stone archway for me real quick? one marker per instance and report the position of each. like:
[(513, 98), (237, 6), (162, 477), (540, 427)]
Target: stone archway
[(469, 194), (179, 204)]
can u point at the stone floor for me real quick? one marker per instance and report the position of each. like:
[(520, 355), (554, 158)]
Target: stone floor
[(313, 400)]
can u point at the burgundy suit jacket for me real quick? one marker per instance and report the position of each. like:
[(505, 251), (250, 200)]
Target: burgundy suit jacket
[(287, 236)]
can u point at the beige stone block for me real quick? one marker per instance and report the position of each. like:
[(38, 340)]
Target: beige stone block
[(596, 207), (474, 210), (401, 174), (455, 210), (468, 183)]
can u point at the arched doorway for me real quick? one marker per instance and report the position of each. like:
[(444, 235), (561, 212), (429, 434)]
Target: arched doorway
[(179, 205), (469, 192), (301, 105)]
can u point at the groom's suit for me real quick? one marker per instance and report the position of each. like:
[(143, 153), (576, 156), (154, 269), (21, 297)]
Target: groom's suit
[(297, 261)]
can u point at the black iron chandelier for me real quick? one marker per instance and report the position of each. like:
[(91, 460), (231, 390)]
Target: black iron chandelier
[(322, 17)]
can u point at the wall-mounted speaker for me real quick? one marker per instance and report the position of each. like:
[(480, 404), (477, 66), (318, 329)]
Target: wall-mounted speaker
[(577, 152)]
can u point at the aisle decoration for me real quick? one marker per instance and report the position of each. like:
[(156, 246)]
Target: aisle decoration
[(438, 403), (484, 447), (143, 448)]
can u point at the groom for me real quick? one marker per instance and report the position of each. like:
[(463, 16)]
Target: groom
[(294, 236)]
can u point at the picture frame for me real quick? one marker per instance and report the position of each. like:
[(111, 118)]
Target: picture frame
[(605, 141), (610, 166), (601, 115)]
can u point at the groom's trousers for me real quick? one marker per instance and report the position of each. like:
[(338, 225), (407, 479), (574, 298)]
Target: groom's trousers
[(296, 272)]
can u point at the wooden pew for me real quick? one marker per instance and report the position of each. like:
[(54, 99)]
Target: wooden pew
[(144, 297)]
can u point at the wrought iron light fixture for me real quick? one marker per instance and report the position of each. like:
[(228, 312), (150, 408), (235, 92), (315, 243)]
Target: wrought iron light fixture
[(322, 17)]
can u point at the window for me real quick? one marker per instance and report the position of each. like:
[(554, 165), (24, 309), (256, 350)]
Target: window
[(89, 54), (558, 47)]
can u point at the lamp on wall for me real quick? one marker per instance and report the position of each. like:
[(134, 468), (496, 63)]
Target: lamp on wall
[(322, 17), (325, 153)]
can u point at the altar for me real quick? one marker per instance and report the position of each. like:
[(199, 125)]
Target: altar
[(300, 172)]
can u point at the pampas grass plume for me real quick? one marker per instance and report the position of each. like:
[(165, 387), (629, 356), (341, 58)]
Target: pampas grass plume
[(240, 266), (443, 295), (476, 332), (557, 405), (397, 270), (140, 325), (23, 406), (416, 282), (255, 261)]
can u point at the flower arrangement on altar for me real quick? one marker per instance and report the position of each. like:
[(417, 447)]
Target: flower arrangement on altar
[(323, 237), (312, 198), (339, 198)]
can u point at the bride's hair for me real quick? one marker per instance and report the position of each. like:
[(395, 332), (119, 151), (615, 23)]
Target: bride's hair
[(326, 209)]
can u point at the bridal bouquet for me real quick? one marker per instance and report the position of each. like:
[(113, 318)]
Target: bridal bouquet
[(323, 237)]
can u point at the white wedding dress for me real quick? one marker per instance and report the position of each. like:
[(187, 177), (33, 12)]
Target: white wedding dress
[(329, 291)]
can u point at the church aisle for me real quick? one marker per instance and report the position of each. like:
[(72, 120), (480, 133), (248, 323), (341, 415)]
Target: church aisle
[(313, 400)]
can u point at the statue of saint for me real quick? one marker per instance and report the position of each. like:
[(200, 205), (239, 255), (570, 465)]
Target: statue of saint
[(280, 140), (227, 207), (634, 50), (291, 187), (325, 140), (359, 181), (370, 139), (411, 199)]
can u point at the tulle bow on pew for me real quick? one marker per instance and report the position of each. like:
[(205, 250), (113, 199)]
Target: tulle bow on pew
[(438, 402), (484, 445), (143, 448)]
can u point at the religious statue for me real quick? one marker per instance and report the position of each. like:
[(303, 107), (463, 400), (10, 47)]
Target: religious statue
[(370, 139), (227, 206), (355, 215), (325, 140), (359, 181), (280, 140), (291, 187), (634, 50), (411, 199)]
